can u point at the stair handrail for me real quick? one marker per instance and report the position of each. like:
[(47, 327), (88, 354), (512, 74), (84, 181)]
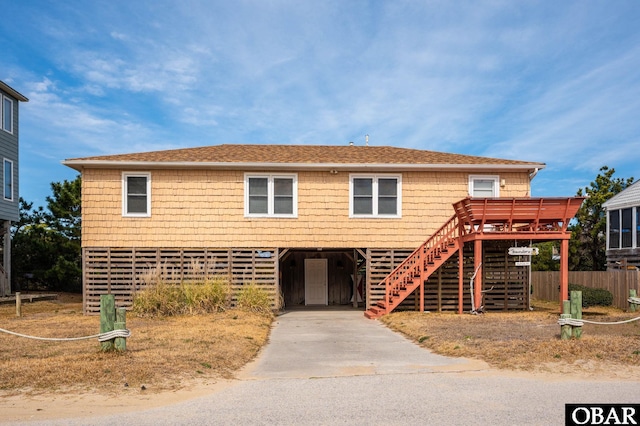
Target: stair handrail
[(443, 234)]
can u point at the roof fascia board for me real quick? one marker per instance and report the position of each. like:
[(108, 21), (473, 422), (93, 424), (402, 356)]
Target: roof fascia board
[(11, 91), (80, 164)]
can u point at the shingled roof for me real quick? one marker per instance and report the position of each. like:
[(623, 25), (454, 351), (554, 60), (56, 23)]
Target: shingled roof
[(229, 155)]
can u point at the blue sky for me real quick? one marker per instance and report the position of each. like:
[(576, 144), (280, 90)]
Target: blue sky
[(555, 82)]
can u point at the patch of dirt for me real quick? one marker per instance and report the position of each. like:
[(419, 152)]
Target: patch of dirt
[(530, 341)]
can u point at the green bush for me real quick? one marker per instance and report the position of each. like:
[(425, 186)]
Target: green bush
[(159, 298), (593, 296), (255, 299)]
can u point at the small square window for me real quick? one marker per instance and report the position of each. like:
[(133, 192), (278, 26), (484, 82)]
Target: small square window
[(484, 186)]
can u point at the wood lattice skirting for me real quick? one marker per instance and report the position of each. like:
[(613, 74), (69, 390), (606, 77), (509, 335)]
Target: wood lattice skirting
[(120, 271)]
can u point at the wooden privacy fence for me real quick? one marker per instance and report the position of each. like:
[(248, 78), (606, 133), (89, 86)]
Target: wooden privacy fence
[(546, 284)]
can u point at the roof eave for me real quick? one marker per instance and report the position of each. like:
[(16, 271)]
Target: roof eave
[(13, 92), (105, 164)]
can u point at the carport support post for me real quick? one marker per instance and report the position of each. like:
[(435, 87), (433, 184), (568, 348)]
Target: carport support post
[(477, 282), (107, 318), (564, 271)]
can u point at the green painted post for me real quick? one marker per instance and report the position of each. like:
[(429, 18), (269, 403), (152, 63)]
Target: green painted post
[(576, 311), (121, 324), (633, 306), (566, 331), (107, 318)]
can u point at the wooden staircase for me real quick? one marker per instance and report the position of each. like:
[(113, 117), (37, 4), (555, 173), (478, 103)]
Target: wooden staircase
[(417, 268)]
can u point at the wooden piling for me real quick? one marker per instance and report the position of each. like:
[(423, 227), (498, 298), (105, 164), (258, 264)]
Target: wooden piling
[(107, 318), (633, 306), (566, 330), (18, 304), (576, 311), (121, 324)]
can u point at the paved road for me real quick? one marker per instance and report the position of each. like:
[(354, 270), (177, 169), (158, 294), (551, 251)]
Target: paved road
[(336, 367)]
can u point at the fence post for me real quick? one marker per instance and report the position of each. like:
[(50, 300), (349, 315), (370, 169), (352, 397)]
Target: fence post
[(576, 311), (632, 305), (566, 330), (121, 324), (18, 304), (107, 318)]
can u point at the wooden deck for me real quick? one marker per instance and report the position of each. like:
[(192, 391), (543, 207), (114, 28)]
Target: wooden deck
[(477, 220)]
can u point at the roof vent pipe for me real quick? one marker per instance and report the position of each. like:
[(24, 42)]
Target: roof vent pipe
[(351, 143), (366, 140)]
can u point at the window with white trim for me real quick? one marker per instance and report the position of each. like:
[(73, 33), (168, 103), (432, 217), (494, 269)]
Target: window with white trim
[(375, 196), (136, 194), (484, 186), (8, 179), (623, 228), (7, 114), (271, 195)]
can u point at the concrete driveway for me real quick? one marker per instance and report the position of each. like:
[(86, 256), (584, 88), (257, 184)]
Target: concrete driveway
[(333, 343), (329, 367)]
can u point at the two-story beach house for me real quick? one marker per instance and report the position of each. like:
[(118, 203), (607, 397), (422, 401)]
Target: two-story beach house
[(316, 225), (9, 207)]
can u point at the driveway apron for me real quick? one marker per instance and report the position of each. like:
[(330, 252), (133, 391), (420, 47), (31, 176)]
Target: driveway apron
[(335, 343)]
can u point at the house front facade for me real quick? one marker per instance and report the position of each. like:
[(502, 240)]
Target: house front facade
[(9, 207), (623, 228), (314, 225)]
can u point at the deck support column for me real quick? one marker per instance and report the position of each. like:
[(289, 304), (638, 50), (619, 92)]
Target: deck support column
[(477, 266), (564, 271), (460, 277)]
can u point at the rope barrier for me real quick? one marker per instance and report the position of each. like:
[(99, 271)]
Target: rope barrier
[(635, 300), (102, 337), (580, 322)]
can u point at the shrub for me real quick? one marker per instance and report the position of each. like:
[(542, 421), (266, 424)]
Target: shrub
[(593, 296), (255, 299), (159, 298)]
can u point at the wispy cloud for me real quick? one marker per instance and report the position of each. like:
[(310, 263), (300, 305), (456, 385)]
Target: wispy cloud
[(545, 82)]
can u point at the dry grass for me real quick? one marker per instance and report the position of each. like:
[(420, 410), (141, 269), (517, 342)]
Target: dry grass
[(162, 354), (170, 353), (529, 340)]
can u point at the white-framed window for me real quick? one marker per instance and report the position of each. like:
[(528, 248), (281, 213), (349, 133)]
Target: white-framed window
[(7, 114), (375, 195), (7, 173), (623, 228), (481, 186), (270, 195), (136, 194)]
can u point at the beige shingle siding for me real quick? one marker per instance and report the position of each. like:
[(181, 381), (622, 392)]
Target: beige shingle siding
[(205, 208)]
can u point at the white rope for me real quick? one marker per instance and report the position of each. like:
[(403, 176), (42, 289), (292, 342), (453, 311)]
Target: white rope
[(101, 337), (580, 322), (635, 300)]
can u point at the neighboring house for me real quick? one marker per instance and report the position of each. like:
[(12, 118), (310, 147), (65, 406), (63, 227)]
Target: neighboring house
[(623, 228), (314, 225), (9, 208)]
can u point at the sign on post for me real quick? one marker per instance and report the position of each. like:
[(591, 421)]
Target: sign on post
[(523, 251), (523, 263)]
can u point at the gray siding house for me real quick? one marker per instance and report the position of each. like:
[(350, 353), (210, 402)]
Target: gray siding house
[(623, 228), (9, 208)]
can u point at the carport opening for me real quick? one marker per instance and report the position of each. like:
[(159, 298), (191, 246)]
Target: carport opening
[(303, 271)]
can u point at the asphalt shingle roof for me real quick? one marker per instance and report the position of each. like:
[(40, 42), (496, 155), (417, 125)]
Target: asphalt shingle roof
[(301, 154)]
